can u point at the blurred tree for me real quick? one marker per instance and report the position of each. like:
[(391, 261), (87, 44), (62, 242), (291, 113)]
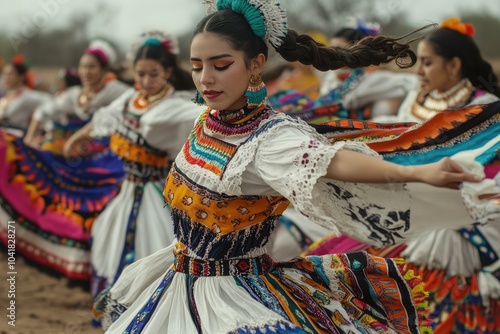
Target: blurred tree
[(59, 47)]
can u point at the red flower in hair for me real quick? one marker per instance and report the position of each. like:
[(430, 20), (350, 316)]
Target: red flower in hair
[(18, 59), (455, 24)]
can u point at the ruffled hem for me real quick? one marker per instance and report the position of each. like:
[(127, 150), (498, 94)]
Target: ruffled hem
[(55, 259), (53, 209), (457, 304)]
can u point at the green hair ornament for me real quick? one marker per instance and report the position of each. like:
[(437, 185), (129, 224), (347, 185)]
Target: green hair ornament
[(266, 17)]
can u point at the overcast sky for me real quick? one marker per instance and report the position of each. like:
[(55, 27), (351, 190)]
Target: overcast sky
[(128, 18)]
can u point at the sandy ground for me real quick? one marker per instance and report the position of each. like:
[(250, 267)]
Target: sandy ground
[(43, 304)]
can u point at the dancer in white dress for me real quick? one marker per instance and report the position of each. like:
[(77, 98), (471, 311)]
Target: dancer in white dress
[(74, 107), (20, 99), (460, 266), (148, 128), (239, 169)]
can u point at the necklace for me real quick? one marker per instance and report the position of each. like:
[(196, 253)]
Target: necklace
[(243, 122), (88, 94), (434, 102), (143, 101)]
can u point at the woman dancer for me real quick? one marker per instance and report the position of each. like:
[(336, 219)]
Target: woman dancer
[(20, 99), (147, 128), (55, 199), (74, 107), (458, 266), (452, 75), (235, 175)]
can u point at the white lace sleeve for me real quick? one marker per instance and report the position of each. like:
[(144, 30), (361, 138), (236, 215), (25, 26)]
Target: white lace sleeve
[(106, 119), (294, 160)]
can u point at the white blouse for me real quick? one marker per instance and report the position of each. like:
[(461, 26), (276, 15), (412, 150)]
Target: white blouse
[(66, 104)]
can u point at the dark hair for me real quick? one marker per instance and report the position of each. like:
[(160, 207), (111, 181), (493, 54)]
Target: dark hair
[(236, 30), (303, 48), (449, 43), (21, 69), (349, 34), (180, 79), (71, 78), (102, 61)]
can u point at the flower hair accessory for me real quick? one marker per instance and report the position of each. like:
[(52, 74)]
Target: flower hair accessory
[(168, 41), (455, 24), (18, 59), (266, 17), (102, 49)]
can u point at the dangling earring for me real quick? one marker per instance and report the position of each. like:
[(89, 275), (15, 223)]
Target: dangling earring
[(198, 99), (256, 92)]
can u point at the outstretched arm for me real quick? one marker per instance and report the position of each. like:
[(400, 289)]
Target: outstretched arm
[(350, 166), (32, 132)]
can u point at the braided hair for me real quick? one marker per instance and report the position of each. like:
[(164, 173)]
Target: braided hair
[(370, 50)]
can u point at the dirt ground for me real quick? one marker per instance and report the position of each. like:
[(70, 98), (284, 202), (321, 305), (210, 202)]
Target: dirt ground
[(43, 304)]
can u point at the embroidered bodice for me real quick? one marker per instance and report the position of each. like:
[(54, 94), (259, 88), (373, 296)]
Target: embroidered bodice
[(145, 136), (141, 160), (233, 179), (217, 226), (211, 224)]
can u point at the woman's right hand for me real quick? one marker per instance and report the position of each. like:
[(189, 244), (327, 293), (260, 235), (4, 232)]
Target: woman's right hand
[(70, 148), (28, 140)]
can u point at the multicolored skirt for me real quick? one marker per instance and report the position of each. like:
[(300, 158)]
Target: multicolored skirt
[(346, 293), (456, 303), (54, 202)]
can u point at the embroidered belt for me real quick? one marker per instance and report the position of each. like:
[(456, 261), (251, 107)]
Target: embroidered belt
[(237, 267)]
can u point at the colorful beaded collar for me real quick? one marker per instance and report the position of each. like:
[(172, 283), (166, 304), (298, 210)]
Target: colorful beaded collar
[(236, 123)]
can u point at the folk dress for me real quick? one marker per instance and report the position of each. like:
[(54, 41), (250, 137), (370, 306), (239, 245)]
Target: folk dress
[(137, 223)]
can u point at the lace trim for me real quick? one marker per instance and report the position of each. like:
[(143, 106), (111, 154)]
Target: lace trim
[(376, 214), (232, 178), (482, 199), (104, 124), (196, 172)]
